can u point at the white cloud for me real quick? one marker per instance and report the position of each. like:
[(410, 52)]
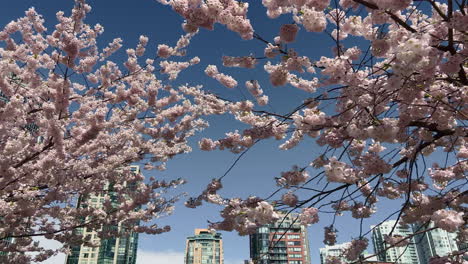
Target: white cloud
[(160, 257)]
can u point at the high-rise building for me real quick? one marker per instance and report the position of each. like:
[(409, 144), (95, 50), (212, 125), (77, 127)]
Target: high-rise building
[(436, 242), (338, 251), (400, 255), (283, 242), (463, 247), (116, 250), (205, 247), (5, 243)]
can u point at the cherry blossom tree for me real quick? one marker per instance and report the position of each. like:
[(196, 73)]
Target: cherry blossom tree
[(72, 121), (401, 98)]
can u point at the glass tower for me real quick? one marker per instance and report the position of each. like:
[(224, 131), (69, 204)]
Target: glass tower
[(436, 242), (116, 250), (399, 255), (284, 242), (205, 247)]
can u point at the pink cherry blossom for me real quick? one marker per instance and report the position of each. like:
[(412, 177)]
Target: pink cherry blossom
[(386, 95), (377, 106), (278, 77), (64, 139), (289, 199), (207, 144), (245, 216), (244, 62), (380, 47), (355, 249), (337, 171), (288, 32), (294, 177), (226, 80), (448, 220), (309, 216), (164, 51), (313, 21), (329, 236), (396, 240)]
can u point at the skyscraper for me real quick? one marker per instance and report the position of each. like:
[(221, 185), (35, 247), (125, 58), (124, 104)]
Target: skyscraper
[(116, 250), (436, 242), (284, 242), (205, 247), (401, 255)]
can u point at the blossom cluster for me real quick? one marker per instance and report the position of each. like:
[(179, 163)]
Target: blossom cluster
[(205, 14), (245, 216), (226, 80), (398, 94), (72, 121)]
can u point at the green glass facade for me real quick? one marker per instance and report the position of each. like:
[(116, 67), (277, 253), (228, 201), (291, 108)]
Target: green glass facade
[(121, 250), (116, 250)]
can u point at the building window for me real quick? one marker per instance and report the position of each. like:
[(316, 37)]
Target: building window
[(294, 255)]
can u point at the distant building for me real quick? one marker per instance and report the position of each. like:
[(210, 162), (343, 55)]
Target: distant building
[(3, 244), (399, 255), (284, 242), (117, 250), (337, 251), (333, 251), (205, 247), (4, 98), (437, 242), (463, 246)]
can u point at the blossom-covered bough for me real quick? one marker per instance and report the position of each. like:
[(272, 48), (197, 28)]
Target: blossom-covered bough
[(72, 121), (401, 99)]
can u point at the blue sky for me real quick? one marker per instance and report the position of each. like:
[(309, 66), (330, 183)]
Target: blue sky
[(255, 173)]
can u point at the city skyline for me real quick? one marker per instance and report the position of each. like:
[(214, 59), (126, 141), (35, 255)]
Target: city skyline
[(436, 242)]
